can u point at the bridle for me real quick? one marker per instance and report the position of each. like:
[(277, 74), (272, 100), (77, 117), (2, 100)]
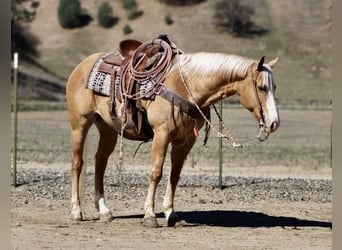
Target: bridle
[(262, 123)]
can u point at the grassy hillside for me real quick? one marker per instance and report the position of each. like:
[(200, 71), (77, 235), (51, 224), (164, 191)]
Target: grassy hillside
[(299, 35)]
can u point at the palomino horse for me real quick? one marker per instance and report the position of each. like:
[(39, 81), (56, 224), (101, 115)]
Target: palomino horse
[(203, 78)]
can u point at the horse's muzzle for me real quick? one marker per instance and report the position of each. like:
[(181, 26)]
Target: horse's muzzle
[(269, 129), (265, 131), (262, 136)]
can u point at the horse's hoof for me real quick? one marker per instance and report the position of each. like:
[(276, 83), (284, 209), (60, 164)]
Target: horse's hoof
[(173, 220), (106, 217), (76, 216), (150, 222)]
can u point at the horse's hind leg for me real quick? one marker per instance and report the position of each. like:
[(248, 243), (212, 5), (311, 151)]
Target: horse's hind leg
[(108, 138), (178, 156), (79, 130)]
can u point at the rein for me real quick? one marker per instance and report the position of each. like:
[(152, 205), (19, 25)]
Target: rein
[(228, 135)]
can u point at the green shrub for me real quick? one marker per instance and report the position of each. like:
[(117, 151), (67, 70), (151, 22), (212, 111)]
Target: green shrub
[(127, 29), (133, 14), (23, 41), (105, 15), (70, 14), (236, 18), (129, 4), (168, 19)]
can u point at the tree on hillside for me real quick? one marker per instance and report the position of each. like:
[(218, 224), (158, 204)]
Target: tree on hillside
[(236, 18), (105, 15), (129, 4), (131, 7), (22, 40), (71, 15)]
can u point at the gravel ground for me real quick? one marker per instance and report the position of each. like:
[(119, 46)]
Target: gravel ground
[(248, 213), (45, 183)]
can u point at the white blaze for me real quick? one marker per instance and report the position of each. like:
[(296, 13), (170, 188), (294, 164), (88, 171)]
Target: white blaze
[(273, 115), (272, 110)]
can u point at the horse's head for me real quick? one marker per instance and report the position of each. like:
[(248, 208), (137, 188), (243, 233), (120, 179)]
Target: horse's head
[(257, 94)]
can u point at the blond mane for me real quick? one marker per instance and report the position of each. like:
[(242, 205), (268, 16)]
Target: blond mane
[(230, 67)]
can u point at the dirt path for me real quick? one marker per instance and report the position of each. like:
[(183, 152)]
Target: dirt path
[(250, 213), (212, 226)]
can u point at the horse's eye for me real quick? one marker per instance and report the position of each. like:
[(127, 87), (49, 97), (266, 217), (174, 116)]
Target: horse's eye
[(262, 88)]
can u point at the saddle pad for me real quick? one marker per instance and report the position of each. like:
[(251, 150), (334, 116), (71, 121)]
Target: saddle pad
[(98, 81)]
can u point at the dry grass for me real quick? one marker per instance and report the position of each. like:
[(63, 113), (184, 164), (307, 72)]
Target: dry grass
[(303, 140), (300, 36)]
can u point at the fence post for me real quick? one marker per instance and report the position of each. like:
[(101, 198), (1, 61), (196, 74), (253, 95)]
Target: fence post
[(15, 112), (220, 147)]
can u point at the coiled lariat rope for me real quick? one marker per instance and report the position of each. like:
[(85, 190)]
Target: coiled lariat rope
[(228, 135), (150, 79)]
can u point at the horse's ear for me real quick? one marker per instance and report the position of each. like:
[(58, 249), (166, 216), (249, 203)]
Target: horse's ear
[(260, 63), (273, 62)]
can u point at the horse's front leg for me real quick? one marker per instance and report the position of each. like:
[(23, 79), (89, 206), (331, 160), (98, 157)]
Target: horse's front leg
[(159, 149), (179, 153)]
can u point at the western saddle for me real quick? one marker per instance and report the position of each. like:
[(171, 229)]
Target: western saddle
[(142, 58)]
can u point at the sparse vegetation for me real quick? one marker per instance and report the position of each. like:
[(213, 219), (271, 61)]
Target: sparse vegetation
[(236, 18), (294, 145), (129, 4), (105, 16), (127, 29), (302, 44), (168, 19), (25, 106), (22, 40), (131, 7), (71, 15), (134, 14)]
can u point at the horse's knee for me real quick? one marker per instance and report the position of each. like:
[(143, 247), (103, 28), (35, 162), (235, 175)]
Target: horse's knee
[(77, 164), (156, 176)]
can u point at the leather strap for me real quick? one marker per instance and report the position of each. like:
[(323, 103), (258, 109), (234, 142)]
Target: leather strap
[(183, 104)]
